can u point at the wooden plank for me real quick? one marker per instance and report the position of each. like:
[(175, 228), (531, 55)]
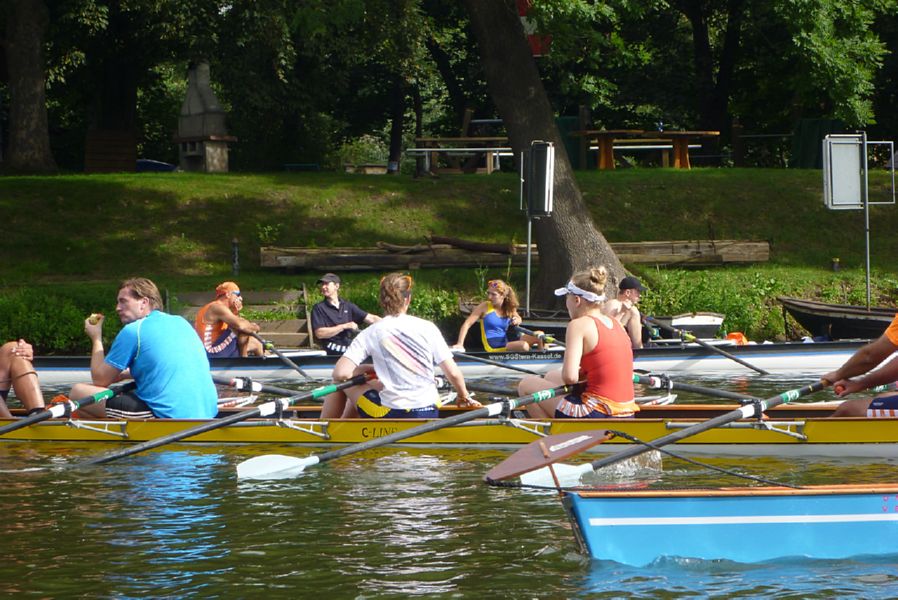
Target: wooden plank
[(472, 245), (688, 252)]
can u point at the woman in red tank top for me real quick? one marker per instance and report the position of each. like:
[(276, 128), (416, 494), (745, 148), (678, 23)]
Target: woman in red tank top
[(598, 350)]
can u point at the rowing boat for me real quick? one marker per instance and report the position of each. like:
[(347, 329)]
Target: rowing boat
[(793, 358), (790, 430), (637, 527)]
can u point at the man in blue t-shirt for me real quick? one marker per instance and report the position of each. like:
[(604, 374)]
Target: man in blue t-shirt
[(335, 321), (161, 352)]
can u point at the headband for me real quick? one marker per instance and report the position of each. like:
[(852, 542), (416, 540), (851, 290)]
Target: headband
[(570, 288)]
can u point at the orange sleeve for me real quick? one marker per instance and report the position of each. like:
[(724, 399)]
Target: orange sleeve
[(892, 331)]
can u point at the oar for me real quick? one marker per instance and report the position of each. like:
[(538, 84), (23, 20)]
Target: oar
[(245, 383), (269, 346), (662, 382), (473, 386), (496, 363), (691, 338), (277, 466), (64, 409), (569, 475), (263, 410), (540, 336)]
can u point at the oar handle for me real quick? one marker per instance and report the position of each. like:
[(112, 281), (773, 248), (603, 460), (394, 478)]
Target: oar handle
[(264, 410), (245, 383), (749, 410), (663, 382), (270, 346), (543, 337), (65, 409), (691, 338)]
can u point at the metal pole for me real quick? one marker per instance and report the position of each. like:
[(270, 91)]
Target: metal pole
[(529, 254), (866, 196), (235, 257)]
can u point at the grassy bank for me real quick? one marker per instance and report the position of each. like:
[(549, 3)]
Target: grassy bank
[(69, 239)]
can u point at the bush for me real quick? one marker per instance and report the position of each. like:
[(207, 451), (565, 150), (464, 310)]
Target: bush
[(53, 322)]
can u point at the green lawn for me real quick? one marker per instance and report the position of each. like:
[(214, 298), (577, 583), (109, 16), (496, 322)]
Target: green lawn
[(177, 228)]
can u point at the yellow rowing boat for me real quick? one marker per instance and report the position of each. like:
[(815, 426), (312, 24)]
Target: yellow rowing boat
[(793, 429)]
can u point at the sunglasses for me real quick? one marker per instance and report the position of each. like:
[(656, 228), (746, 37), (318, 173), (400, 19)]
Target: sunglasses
[(238, 294)]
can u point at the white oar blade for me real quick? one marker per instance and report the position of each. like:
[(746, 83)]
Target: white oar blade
[(273, 466), (568, 475)]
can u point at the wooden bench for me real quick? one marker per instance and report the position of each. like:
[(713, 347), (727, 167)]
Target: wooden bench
[(294, 332), (471, 148), (606, 141)]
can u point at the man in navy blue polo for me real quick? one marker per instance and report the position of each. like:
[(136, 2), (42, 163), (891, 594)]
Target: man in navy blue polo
[(335, 321)]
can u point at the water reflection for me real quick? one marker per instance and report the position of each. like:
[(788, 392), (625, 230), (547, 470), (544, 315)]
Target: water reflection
[(394, 522)]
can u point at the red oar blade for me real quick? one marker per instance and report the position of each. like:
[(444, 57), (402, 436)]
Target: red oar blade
[(546, 451)]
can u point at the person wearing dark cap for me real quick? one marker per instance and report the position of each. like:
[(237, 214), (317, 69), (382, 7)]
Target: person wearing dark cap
[(335, 320), (623, 308), (224, 332)]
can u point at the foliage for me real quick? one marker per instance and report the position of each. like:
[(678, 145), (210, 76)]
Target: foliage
[(365, 149), (299, 79), (53, 321)]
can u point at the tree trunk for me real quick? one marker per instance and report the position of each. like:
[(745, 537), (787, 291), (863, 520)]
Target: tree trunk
[(568, 241), (713, 92), (29, 137), (397, 118), (453, 87)]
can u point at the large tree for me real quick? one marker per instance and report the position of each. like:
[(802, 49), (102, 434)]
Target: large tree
[(29, 139), (568, 241)]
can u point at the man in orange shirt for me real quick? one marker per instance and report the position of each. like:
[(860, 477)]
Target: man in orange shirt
[(864, 362), (224, 332)]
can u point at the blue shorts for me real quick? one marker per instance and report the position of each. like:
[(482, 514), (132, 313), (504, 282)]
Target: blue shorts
[(574, 400), (230, 350), (370, 407), (498, 343), (884, 406), (572, 407)]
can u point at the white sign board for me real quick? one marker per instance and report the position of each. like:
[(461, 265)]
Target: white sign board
[(844, 171)]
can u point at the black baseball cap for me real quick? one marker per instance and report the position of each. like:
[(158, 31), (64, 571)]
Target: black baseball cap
[(329, 277), (630, 283)]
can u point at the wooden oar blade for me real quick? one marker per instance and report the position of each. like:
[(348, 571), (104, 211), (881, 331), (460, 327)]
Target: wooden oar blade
[(546, 451)]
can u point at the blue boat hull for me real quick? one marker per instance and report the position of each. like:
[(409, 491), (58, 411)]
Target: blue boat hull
[(743, 525)]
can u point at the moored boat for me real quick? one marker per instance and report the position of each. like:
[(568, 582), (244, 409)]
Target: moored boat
[(788, 358), (838, 321), (794, 429), (637, 527)]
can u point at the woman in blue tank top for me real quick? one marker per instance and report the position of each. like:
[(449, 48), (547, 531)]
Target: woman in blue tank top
[(497, 315)]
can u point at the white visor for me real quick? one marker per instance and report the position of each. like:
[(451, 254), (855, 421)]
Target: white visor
[(570, 288)]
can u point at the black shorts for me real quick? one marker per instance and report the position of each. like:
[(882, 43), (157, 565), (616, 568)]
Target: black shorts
[(128, 406)]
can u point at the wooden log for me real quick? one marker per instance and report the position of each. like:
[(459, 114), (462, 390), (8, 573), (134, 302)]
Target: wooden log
[(405, 249), (475, 246), (687, 253)]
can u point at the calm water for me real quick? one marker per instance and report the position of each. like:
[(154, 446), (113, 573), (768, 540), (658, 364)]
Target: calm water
[(388, 523)]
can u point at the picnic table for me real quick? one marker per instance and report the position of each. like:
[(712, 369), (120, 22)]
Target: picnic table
[(607, 140), (454, 149)]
